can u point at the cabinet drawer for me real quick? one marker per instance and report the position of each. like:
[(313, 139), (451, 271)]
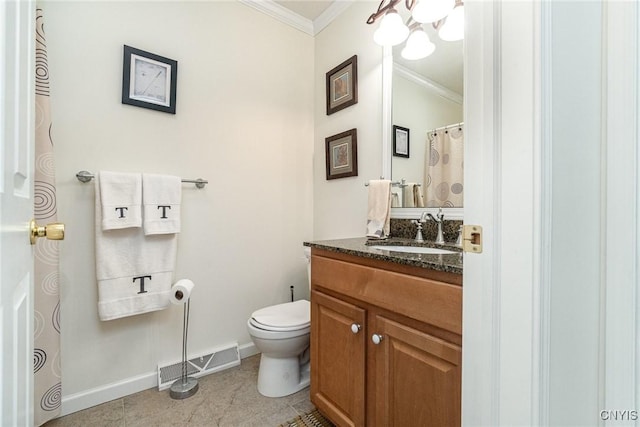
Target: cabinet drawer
[(430, 301)]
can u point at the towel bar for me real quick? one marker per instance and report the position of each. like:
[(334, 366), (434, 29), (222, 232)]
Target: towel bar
[(402, 183), (85, 176)]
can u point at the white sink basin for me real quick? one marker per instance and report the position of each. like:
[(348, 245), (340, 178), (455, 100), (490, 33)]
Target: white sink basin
[(414, 249)]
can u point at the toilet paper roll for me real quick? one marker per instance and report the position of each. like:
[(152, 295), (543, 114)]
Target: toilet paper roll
[(181, 291)]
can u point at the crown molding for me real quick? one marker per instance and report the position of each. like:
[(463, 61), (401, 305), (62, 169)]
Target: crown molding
[(286, 16), (429, 84), (282, 14), (331, 13)]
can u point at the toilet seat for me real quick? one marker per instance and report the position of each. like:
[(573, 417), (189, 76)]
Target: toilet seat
[(290, 316)]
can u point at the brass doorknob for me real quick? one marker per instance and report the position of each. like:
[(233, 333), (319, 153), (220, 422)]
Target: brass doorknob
[(53, 231)]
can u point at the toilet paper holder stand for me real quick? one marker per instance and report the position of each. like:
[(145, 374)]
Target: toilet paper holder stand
[(185, 386)]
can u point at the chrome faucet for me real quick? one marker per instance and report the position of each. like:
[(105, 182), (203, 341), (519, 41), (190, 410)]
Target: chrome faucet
[(459, 241), (418, 222), (419, 237), (439, 221)]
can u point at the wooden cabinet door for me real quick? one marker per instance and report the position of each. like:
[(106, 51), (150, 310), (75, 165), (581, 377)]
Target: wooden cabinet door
[(417, 377), (338, 359)]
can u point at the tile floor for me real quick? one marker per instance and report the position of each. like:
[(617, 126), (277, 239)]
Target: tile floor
[(226, 398)]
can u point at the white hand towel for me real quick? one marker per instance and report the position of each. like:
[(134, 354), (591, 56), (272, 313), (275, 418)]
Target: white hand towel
[(134, 272), (395, 200), (379, 209), (417, 196), (121, 199), (408, 199), (161, 197)]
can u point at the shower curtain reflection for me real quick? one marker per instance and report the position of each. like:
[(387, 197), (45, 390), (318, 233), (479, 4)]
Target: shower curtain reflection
[(444, 167)]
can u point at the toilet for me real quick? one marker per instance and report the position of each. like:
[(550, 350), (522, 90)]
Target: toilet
[(281, 333)]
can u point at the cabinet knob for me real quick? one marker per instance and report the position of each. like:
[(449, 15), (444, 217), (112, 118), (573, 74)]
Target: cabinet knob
[(376, 338), (355, 328)]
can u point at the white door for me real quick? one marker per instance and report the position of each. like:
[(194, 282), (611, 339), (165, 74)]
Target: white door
[(16, 210), (499, 383), (551, 307)]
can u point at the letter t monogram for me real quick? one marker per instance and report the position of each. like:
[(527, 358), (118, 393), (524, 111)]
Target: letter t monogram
[(164, 210), (142, 291), (122, 212)]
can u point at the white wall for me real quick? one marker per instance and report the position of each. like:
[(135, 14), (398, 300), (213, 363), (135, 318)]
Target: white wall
[(340, 205), (420, 110), (244, 121)]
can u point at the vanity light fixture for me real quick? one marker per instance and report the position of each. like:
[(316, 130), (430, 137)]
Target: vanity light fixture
[(446, 17), (452, 29), (392, 30), (427, 11), (418, 44)]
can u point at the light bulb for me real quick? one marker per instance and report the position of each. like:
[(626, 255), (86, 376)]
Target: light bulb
[(453, 27), (392, 30), (418, 45), (432, 10)]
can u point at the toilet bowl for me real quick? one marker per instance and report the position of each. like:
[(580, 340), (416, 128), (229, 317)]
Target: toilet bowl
[(281, 333)]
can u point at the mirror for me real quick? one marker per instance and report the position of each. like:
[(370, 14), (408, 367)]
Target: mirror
[(426, 95)]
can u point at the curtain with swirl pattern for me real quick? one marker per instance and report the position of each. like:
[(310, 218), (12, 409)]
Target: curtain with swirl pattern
[(444, 169), (46, 357)]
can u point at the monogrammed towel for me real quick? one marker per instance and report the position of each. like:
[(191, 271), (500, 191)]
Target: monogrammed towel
[(120, 199), (379, 208), (161, 197), (134, 271)]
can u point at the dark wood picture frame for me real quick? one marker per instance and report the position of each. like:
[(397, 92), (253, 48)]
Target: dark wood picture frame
[(401, 141), (341, 152), (149, 80), (342, 85)]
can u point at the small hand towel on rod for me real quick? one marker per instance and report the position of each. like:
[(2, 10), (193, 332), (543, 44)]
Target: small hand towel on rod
[(161, 197), (379, 209), (418, 197), (408, 195), (121, 200)]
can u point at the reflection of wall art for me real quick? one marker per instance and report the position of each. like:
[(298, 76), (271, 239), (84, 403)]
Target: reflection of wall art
[(400, 141), (342, 154), (342, 85), (149, 80)]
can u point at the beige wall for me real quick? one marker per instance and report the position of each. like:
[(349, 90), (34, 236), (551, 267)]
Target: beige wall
[(340, 205), (244, 121)]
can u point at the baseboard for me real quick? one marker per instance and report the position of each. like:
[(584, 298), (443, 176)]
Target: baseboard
[(247, 350), (98, 395)]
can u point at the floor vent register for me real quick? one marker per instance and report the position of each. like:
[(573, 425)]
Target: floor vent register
[(199, 365)]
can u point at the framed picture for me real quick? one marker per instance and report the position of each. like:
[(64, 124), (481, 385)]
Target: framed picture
[(400, 141), (149, 80), (342, 154), (342, 85)]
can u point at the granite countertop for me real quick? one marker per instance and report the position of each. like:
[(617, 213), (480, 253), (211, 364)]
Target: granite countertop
[(361, 246)]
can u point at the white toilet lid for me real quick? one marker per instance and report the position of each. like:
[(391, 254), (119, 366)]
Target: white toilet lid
[(287, 316)]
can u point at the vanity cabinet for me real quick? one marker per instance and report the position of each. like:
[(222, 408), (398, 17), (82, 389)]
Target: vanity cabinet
[(385, 342)]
